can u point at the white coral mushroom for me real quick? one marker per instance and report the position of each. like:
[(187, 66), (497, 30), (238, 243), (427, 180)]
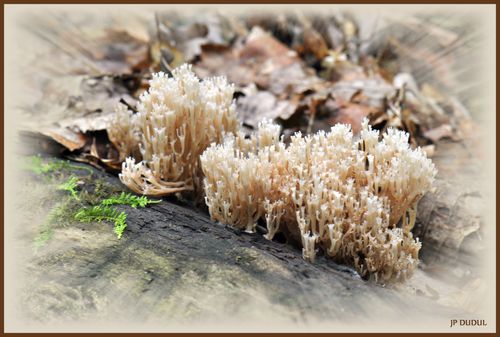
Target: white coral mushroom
[(327, 191), (177, 118)]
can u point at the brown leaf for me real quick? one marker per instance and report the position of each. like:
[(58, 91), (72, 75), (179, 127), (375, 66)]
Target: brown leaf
[(70, 139), (98, 152), (315, 44), (371, 91), (118, 52), (104, 152), (263, 104), (352, 114), (253, 61), (294, 80), (261, 45), (338, 68), (436, 134), (65, 137), (185, 37), (92, 122)]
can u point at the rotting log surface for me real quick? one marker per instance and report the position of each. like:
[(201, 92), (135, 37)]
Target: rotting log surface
[(175, 265), (450, 219)]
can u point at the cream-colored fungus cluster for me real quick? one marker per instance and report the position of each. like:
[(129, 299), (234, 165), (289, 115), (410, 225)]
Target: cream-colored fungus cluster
[(353, 198), (124, 132), (331, 191), (176, 120)]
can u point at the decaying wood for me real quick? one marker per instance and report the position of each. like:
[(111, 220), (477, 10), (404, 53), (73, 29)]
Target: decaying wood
[(174, 264), (450, 218)]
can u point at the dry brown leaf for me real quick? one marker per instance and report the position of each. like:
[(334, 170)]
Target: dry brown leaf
[(67, 138), (315, 44), (104, 153), (92, 122), (118, 52), (436, 134), (70, 139), (254, 108), (294, 79), (185, 37), (371, 91), (251, 62), (351, 114)]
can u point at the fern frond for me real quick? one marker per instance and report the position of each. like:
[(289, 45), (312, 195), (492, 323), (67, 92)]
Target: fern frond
[(96, 213), (120, 224), (104, 213), (129, 199), (70, 186)]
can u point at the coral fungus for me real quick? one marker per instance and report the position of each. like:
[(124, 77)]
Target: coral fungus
[(353, 199), (176, 119)]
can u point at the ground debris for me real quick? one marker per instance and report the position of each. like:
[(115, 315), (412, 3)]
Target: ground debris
[(315, 70)]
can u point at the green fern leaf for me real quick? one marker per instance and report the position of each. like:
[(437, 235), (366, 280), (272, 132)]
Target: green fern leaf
[(104, 213), (129, 199), (70, 186)]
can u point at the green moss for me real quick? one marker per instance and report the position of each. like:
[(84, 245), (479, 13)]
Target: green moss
[(37, 165), (103, 190), (45, 235), (60, 215)]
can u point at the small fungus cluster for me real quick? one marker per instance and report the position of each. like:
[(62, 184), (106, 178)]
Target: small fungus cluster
[(176, 120)]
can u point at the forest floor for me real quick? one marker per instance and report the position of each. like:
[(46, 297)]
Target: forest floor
[(174, 268)]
